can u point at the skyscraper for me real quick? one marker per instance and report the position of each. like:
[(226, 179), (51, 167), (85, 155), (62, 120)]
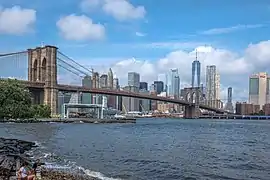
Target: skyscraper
[(259, 89), (103, 81), (196, 71), (159, 86), (164, 79), (134, 79), (110, 79), (175, 83), (212, 86), (144, 85), (229, 104), (132, 104)]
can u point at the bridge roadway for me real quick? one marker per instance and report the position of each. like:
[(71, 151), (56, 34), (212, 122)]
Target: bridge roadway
[(68, 88)]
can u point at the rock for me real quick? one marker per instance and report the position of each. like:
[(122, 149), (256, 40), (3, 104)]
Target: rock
[(57, 175), (11, 155)]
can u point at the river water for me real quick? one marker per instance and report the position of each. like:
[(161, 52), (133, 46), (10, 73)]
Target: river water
[(154, 149)]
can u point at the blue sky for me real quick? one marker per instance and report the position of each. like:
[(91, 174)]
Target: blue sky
[(148, 30)]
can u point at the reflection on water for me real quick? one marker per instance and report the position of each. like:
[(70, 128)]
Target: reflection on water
[(155, 149)]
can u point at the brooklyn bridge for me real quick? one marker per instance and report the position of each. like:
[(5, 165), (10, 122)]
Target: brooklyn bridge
[(43, 67)]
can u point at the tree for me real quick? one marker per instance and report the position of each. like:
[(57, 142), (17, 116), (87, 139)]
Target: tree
[(15, 100), (43, 111)]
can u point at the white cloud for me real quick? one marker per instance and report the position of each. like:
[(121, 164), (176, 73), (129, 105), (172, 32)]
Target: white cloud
[(233, 67), (73, 27), (231, 29), (140, 34), (16, 20), (122, 10)]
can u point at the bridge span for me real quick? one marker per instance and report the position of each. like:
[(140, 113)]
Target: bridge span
[(43, 68)]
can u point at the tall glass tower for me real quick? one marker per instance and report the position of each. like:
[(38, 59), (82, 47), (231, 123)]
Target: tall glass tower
[(175, 83), (196, 71)]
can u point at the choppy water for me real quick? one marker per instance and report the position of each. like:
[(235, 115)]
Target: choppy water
[(155, 149)]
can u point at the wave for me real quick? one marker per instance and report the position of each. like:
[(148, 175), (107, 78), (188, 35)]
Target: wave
[(54, 162)]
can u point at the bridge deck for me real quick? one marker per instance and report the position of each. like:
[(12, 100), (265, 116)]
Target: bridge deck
[(68, 88)]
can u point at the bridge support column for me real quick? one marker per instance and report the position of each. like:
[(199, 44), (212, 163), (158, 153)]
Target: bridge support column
[(51, 99), (191, 112)]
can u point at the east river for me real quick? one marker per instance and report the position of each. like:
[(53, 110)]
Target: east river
[(154, 149)]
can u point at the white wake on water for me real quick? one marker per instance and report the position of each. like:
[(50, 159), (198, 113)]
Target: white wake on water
[(73, 166)]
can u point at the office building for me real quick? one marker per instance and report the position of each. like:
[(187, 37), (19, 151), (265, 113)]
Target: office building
[(144, 103), (213, 87), (229, 104), (116, 83), (86, 97), (134, 79), (175, 83), (259, 89), (132, 104), (164, 79), (144, 85), (103, 80), (196, 73), (110, 79), (159, 86)]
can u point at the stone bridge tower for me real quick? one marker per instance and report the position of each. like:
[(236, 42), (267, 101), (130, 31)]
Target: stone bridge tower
[(42, 67), (193, 95)]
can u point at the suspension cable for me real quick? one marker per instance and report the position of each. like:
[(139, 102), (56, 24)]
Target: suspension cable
[(72, 66), (74, 62), (70, 71), (14, 53)]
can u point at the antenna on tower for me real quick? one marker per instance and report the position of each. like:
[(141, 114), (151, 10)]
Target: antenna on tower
[(196, 54)]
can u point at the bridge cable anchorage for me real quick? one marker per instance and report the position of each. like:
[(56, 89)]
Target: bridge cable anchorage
[(72, 67), (70, 71), (91, 71), (14, 53)]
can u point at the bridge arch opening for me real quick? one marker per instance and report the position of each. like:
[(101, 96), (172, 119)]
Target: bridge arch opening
[(43, 69), (188, 97), (194, 96), (34, 70)]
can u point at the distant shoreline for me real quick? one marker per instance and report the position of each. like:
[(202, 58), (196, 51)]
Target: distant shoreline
[(70, 120)]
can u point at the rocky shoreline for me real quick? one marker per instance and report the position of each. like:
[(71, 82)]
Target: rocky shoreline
[(70, 120), (12, 155)]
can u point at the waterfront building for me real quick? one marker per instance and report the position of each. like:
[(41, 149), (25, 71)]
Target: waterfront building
[(246, 108), (86, 97), (229, 104), (259, 89)]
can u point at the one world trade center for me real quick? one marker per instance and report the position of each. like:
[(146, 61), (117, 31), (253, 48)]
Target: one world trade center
[(196, 72)]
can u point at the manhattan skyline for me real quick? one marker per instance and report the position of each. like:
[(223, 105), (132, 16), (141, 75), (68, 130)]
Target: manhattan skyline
[(145, 40)]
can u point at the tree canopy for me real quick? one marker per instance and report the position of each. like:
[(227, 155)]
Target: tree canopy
[(15, 102)]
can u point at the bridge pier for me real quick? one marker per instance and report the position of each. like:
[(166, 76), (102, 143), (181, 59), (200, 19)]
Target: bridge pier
[(42, 67), (190, 112), (51, 99)]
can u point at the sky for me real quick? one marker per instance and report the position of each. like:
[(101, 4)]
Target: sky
[(147, 36)]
